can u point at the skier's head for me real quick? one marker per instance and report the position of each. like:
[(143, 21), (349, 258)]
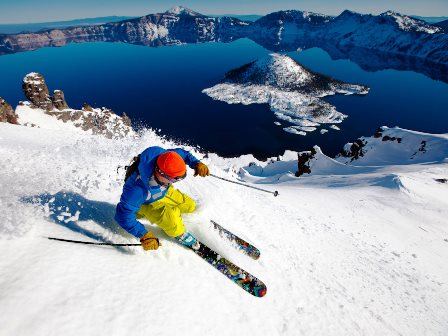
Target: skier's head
[(170, 168)]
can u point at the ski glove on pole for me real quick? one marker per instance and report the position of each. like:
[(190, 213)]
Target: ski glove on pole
[(201, 170), (149, 242)]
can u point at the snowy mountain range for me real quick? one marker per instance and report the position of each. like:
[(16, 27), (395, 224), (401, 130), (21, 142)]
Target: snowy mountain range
[(292, 91), (387, 33), (358, 245)]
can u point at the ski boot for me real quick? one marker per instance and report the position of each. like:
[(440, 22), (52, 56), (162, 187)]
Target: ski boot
[(189, 240)]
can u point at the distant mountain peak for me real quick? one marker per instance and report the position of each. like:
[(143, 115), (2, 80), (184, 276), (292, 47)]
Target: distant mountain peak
[(181, 10), (408, 23), (275, 69)]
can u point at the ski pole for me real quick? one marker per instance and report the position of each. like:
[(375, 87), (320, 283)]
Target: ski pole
[(93, 243), (245, 185)]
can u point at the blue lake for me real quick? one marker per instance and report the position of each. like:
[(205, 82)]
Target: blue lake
[(161, 87)]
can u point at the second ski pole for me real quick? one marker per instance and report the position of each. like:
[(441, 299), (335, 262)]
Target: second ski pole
[(245, 185)]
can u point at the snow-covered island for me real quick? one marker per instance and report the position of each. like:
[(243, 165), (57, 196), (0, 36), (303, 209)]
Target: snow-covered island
[(292, 91)]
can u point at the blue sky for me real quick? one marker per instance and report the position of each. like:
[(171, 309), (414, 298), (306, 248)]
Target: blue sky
[(24, 11)]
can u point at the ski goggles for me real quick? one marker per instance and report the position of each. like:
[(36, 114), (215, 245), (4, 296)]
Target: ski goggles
[(169, 178)]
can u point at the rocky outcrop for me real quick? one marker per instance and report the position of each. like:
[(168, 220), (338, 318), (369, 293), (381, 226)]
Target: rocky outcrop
[(87, 107), (356, 150), (98, 121), (59, 100), (304, 159), (7, 114), (36, 91)]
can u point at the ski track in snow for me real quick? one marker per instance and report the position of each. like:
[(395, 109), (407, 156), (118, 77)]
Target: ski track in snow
[(339, 254)]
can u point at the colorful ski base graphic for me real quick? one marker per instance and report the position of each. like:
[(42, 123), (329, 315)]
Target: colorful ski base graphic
[(245, 280), (242, 245)]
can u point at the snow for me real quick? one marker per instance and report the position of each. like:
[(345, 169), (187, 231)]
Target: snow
[(407, 23), (37, 118), (404, 147), (110, 122), (347, 250), (180, 10)]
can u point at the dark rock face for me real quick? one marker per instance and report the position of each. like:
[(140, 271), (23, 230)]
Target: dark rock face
[(59, 100), (379, 134), (7, 113), (355, 151), (87, 107), (36, 91), (304, 162)]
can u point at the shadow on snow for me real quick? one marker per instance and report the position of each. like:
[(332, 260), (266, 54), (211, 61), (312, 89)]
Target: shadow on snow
[(68, 209)]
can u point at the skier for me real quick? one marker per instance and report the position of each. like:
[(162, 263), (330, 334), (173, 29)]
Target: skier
[(148, 193)]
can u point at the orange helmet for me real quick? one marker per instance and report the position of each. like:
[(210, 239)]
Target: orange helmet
[(171, 164)]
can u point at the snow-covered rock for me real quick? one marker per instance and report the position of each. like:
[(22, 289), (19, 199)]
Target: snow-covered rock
[(7, 113), (292, 91), (41, 106), (36, 91)]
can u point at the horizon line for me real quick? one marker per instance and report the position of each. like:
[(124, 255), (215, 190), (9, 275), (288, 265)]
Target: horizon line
[(212, 15)]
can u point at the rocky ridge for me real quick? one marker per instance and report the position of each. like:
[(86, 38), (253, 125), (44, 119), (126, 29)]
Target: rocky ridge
[(101, 121), (7, 113)]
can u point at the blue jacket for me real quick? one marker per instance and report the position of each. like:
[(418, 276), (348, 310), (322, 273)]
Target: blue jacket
[(137, 191)]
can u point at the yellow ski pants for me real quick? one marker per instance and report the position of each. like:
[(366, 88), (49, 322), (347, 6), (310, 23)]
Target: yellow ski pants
[(166, 212)]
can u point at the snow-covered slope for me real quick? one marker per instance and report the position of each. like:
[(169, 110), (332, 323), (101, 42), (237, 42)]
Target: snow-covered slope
[(180, 10), (342, 253), (396, 146)]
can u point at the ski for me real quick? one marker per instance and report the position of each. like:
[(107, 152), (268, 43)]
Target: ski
[(245, 280), (242, 245)]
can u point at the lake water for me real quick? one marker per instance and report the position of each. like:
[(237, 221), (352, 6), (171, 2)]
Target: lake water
[(161, 87)]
